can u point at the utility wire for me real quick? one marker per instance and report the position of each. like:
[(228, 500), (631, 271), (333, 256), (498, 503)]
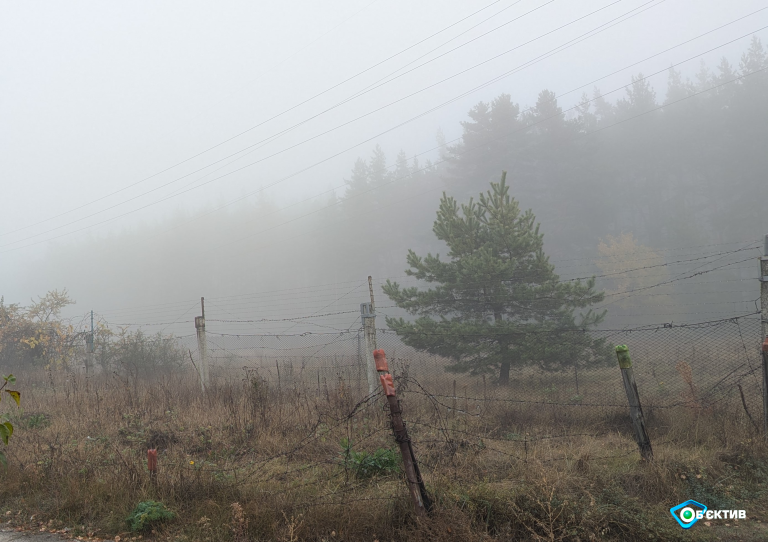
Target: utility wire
[(286, 149), (268, 139), (430, 150), (261, 123), (250, 298), (481, 147)]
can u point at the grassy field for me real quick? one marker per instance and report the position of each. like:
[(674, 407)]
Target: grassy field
[(310, 458)]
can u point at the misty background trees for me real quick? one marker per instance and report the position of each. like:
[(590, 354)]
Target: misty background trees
[(680, 168)]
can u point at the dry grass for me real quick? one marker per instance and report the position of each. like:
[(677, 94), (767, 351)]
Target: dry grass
[(254, 460)]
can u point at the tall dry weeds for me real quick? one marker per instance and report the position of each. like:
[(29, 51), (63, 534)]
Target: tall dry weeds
[(249, 461)]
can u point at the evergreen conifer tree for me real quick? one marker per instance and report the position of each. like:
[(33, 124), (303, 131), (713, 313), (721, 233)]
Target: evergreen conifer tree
[(497, 303)]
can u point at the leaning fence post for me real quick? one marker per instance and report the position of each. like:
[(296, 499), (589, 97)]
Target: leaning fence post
[(421, 500), (635, 410)]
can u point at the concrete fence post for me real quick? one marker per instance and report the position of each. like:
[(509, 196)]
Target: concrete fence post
[(202, 347), (368, 316)]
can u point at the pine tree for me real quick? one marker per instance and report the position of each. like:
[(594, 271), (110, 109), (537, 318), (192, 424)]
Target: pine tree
[(358, 184), (378, 174), (677, 87), (402, 171), (641, 97), (497, 303)]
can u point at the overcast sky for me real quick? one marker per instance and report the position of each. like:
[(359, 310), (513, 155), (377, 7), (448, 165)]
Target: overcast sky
[(100, 100)]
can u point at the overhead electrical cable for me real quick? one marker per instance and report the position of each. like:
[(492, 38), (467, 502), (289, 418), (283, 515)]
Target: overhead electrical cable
[(257, 145), (457, 139), (317, 163), (525, 128), (260, 124), (515, 278), (526, 64), (542, 57), (580, 135)]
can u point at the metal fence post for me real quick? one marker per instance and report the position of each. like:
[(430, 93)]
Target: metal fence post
[(422, 502), (635, 410)]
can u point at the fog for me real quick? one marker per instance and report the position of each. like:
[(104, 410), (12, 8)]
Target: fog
[(271, 156)]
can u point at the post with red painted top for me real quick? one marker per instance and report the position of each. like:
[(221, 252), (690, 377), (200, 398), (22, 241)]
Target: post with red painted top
[(152, 465), (422, 502)]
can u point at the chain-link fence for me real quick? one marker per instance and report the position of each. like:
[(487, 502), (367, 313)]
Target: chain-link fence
[(711, 367)]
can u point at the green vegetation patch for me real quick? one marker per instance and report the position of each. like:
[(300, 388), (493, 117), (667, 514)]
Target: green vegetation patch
[(148, 514)]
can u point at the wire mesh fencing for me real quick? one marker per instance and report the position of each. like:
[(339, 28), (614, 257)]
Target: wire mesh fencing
[(709, 368)]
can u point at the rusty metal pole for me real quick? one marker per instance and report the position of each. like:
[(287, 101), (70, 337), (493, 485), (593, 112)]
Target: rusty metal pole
[(422, 503)]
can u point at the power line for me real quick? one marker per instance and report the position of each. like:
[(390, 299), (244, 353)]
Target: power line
[(263, 122), (485, 84), (269, 138), (502, 281), (294, 319), (563, 331), (721, 85), (298, 144), (285, 319), (302, 298), (523, 129), (466, 151), (301, 292)]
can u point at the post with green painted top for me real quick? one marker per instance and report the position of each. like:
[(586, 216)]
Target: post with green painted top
[(635, 410)]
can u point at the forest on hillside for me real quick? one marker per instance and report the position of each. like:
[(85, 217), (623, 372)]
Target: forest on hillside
[(645, 170)]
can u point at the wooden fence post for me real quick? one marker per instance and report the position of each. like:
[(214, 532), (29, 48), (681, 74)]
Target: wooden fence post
[(635, 410), (422, 502)]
